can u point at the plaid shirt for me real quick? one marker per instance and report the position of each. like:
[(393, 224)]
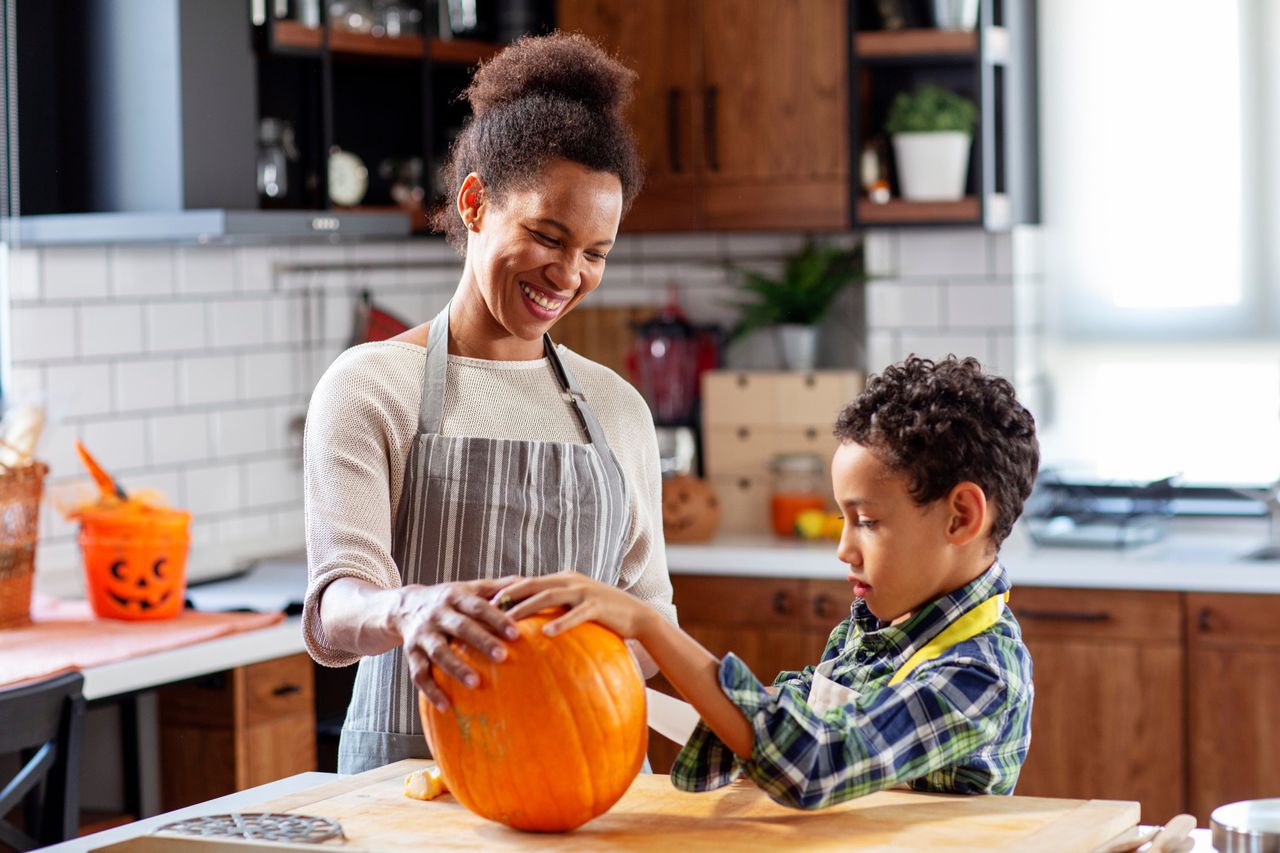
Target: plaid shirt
[(960, 723)]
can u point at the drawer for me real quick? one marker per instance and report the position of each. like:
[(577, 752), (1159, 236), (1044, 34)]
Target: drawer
[(744, 503), (733, 398), (750, 602), (729, 451), (278, 688), (806, 399), (749, 449), (1236, 620), (1097, 614)]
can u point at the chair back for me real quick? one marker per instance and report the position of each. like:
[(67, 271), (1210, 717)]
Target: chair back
[(41, 723)]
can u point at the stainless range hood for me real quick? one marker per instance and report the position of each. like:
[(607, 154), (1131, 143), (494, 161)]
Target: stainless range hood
[(137, 123), (209, 226)]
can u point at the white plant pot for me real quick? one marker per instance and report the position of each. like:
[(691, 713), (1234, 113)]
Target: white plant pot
[(932, 166), (798, 344)]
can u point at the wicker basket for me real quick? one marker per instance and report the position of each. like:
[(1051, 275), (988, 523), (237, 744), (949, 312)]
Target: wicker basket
[(20, 490)]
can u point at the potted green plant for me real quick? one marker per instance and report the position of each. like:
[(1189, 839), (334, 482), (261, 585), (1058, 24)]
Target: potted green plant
[(932, 129), (793, 303)]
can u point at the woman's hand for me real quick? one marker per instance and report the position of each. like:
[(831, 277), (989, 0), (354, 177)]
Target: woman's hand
[(588, 601), (429, 616)]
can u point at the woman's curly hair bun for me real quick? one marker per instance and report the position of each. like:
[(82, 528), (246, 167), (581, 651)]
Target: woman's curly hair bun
[(566, 65)]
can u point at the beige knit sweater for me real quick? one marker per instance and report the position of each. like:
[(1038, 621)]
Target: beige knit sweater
[(361, 423)]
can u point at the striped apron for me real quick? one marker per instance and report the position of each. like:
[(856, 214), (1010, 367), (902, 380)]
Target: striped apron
[(476, 508)]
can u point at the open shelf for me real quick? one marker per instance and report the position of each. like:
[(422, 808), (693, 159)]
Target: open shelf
[(915, 44), (419, 220), (295, 36), (901, 212)]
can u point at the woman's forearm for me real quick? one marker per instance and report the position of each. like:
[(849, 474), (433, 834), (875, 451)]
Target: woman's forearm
[(359, 617), (694, 671)]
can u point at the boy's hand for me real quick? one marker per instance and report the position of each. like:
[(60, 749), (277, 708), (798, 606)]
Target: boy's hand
[(588, 601)]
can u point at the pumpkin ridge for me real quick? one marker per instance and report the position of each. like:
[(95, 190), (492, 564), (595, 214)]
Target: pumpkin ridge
[(555, 697), (608, 732)]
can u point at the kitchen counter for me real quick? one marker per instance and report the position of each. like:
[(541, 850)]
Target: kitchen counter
[(1196, 556)]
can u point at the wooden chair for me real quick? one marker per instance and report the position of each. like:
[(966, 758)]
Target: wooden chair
[(41, 723)]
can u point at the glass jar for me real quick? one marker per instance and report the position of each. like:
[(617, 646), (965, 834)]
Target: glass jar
[(799, 484)]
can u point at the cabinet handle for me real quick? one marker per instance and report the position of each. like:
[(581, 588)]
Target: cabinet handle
[(811, 433), (821, 607), (1203, 620), (744, 433), (286, 690), (1064, 615), (673, 129), (781, 604), (710, 106)]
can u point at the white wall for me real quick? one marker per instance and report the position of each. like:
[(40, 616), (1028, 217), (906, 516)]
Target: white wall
[(188, 369)]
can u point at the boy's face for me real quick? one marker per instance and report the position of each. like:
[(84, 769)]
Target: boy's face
[(898, 552)]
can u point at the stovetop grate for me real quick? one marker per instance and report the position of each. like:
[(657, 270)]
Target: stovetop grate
[(259, 826)]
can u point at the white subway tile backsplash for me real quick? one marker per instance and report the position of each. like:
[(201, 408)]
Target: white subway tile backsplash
[(204, 532), (24, 274), (880, 252), (206, 269), (163, 484), (56, 557), (118, 444), (142, 271), (267, 374), (57, 448), (980, 306), (212, 488), (245, 528), (1000, 249), (77, 272), (666, 247), (42, 332), (176, 326), (110, 330), (941, 344), (55, 525), (1002, 360), (271, 482), (75, 390), (26, 383), (237, 323), (177, 439), (904, 304), (947, 252), (289, 525), (339, 315), (143, 385), (286, 319), (209, 379), (240, 432), (761, 245), (883, 350), (255, 267), (431, 249)]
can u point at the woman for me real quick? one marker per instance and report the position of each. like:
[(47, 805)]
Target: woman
[(446, 462)]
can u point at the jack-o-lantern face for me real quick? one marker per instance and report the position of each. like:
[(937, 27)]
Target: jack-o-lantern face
[(141, 588), (690, 510)]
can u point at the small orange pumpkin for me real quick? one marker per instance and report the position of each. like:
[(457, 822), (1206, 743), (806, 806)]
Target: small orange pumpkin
[(552, 737), (690, 509)]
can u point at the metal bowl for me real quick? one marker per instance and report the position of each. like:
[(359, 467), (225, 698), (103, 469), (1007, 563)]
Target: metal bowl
[(1249, 826)]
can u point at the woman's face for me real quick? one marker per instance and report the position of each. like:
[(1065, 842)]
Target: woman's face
[(539, 251)]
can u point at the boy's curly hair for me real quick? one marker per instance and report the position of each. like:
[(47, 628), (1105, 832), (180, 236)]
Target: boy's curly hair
[(558, 96), (942, 423)]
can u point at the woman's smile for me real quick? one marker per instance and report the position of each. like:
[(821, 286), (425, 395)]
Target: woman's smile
[(540, 303)]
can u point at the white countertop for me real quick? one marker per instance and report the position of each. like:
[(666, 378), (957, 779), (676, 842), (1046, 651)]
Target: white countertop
[(1196, 556)]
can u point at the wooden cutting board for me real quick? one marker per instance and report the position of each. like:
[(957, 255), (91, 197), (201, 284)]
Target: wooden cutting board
[(375, 815)]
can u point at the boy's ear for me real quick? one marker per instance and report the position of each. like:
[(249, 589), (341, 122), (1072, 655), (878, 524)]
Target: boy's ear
[(969, 513)]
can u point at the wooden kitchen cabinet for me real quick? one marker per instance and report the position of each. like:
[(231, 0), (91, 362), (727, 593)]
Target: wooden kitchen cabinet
[(1108, 720), (1233, 671), (236, 729), (773, 624), (741, 111)]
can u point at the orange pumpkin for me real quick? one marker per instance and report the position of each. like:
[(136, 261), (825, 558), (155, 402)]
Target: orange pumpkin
[(553, 736), (690, 510)]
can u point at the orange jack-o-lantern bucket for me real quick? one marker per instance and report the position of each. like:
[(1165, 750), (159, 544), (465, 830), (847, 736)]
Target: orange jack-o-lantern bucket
[(135, 561)]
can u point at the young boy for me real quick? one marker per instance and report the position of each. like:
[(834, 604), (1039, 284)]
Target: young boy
[(927, 682)]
